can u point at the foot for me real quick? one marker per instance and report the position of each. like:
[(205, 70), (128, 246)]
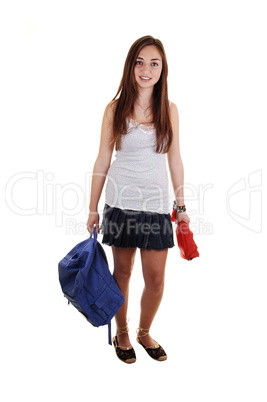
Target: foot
[(123, 347), (126, 355), (154, 350)]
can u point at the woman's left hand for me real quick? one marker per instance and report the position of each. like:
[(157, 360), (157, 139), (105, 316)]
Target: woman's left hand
[(182, 216)]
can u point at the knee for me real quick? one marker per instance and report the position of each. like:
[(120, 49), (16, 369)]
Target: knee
[(155, 284), (123, 273)]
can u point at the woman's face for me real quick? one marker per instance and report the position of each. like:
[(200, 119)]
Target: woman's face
[(148, 66)]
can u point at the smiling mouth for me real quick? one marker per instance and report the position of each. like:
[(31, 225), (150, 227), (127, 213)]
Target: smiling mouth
[(145, 78)]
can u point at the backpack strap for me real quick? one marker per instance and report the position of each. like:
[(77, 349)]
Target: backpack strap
[(109, 333)]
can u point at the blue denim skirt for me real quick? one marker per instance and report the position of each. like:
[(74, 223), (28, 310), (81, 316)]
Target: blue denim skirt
[(128, 228)]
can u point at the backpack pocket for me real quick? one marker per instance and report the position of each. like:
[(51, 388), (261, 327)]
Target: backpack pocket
[(107, 304)]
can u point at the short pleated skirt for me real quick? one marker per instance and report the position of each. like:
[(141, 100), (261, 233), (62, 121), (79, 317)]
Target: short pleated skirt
[(128, 228)]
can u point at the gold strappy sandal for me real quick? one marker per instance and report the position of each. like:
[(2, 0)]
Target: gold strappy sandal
[(157, 353), (124, 353)]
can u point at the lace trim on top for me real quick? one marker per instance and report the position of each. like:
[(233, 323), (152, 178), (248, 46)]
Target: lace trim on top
[(143, 127)]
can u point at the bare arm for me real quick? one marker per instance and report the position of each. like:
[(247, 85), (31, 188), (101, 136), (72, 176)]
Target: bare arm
[(101, 166), (176, 165), (174, 159)]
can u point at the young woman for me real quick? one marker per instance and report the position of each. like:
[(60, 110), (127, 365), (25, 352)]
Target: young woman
[(144, 127)]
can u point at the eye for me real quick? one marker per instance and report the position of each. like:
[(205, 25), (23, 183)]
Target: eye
[(138, 61), (154, 64)]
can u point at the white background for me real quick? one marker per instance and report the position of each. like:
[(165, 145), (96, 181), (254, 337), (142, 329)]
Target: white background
[(61, 63)]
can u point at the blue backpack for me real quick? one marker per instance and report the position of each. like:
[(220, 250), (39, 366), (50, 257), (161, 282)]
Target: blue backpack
[(88, 285)]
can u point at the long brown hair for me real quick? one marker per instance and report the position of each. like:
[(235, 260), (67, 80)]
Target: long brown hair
[(128, 92)]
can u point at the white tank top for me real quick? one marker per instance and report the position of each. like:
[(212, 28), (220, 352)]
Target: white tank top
[(138, 177)]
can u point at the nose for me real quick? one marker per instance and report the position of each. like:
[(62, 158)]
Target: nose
[(146, 69)]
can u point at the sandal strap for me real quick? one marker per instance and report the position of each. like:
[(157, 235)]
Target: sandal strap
[(126, 348), (122, 330), (146, 331)]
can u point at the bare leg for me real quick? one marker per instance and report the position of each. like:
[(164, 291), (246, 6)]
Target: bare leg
[(153, 265), (123, 265)]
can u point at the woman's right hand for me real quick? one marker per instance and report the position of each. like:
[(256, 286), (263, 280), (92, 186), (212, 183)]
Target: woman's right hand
[(93, 219)]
